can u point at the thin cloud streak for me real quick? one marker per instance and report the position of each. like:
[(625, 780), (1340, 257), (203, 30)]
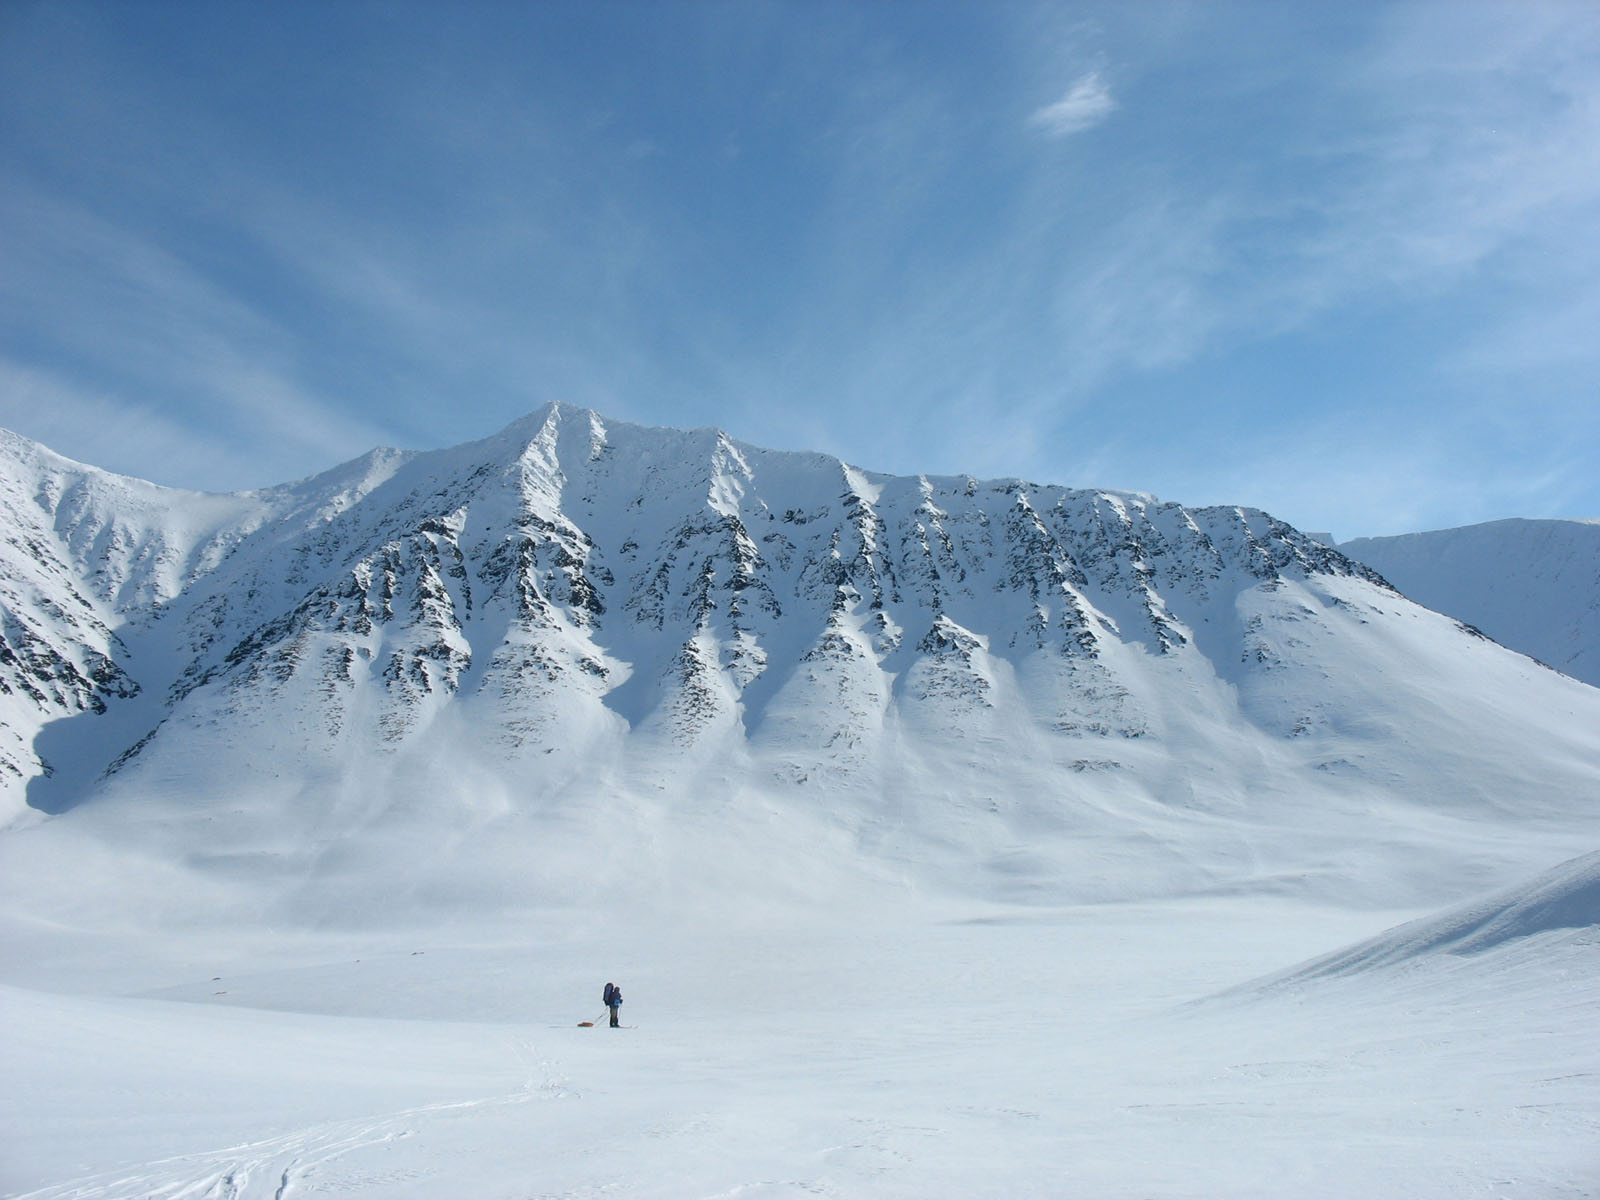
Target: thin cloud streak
[(1087, 103), (120, 435), (127, 309)]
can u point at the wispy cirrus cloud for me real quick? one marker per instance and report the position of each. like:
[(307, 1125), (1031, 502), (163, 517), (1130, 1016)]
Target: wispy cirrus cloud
[(1408, 222), (151, 342), (1087, 103), (1395, 218), (114, 433)]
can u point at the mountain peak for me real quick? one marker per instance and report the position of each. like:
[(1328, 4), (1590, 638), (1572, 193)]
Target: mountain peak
[(576, 614)]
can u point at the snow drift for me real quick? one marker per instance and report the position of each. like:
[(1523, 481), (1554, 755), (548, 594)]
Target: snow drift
[(1561, 904)]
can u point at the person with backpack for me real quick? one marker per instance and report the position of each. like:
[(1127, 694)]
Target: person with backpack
[(613, 998)]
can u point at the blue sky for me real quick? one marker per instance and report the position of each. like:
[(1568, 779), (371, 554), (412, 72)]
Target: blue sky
[(1339, 261)]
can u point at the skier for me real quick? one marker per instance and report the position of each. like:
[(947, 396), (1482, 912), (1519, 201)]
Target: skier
[(613, 999)]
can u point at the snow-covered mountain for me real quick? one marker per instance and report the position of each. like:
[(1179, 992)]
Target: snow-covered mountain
[(577, 652), (949, 837), (1530, 585)]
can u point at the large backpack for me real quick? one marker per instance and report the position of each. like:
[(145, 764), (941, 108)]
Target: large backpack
[(609, 994)]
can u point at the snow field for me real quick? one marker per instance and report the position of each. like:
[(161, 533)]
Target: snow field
[(1001, 1052)]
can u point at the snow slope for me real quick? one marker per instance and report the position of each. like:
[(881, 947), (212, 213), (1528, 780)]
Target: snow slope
[(1559, 907), (1530, 585), (913, 814)]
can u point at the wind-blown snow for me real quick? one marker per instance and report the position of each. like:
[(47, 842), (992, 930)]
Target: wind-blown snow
[(911, 813)]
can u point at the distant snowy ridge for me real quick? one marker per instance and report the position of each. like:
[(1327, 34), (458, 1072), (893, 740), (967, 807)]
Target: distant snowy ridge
[(580, 632), (1532, 585)]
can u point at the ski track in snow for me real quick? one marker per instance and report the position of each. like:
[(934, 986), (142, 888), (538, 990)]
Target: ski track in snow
[(287, 1165)]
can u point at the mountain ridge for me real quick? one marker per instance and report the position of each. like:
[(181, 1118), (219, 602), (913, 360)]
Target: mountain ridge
[(580, 622), (1532, 585)]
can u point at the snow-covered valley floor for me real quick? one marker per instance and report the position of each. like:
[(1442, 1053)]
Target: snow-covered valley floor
[(901, 1049)]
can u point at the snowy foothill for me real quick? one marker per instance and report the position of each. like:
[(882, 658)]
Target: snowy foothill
[(947, 838)]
